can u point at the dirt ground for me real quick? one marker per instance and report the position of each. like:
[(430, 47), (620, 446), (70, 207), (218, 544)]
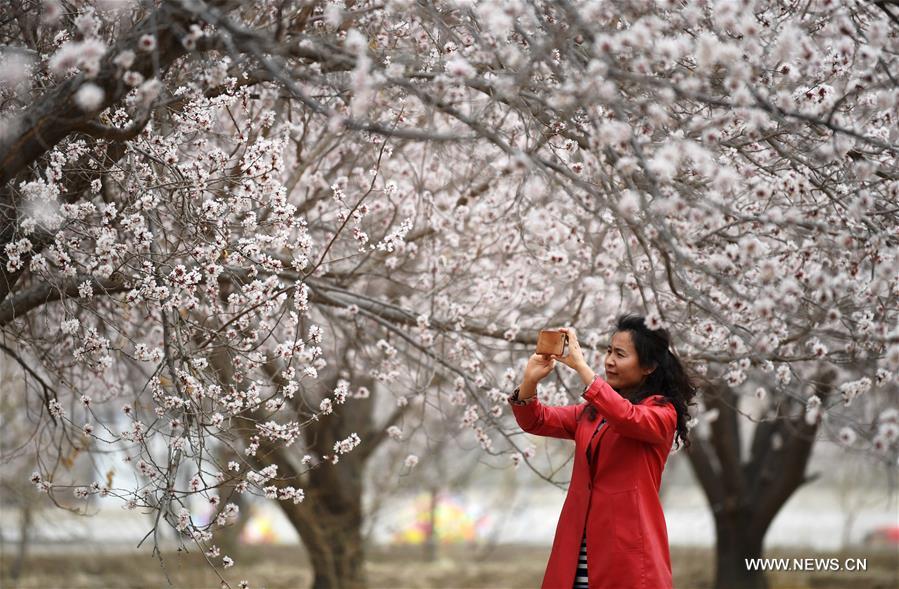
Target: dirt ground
[(457, 567)]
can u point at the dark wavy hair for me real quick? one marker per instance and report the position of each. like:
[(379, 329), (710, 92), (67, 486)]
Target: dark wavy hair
[(670, 378)]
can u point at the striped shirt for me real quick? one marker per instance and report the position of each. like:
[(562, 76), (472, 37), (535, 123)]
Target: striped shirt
[(580, 577)]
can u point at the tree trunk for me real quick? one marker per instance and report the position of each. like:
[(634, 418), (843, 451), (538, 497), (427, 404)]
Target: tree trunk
[(25, 514), (333, 539), (732, 549), (745, 493), (329, 519), (431, 536)]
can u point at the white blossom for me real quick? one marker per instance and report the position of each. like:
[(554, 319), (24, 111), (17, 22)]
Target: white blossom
[(847, 436), (125, 59), (458, 67), (89, 97)]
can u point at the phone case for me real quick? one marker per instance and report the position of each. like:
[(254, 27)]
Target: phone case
[(552, 341)]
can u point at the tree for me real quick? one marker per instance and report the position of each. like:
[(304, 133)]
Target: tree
[(190, 191)]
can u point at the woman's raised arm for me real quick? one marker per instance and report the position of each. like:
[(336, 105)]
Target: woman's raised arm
[(646, 422), (536, 418)]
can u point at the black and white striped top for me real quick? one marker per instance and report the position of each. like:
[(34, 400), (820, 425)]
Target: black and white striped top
[(580, 577)]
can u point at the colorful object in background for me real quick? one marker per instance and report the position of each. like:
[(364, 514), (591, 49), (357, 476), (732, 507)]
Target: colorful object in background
[(259, 529), (453, 523), (882, 536)]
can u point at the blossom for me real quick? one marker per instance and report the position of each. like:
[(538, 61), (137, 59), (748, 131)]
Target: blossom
[(52, 10), (86, 22), (296, 495), (614, 134), (14, 69), (355, 41), (458, 67), (847, 436), (189, 41), (665, 162), (333, 15), (148, 91), (889, 415), (470, 417), (346, 445), (183, 519), (55, 408), (89, 97), (889, 431), (230, 511), (411, 460), (851, 390), (85, 290), (812, 409), (880, 444), (146, 42), (65, 58), (707, 50), (340, 393), (653, 320), (892, 356), (125, 59), (132, 78), (629, 204), (787, 44)]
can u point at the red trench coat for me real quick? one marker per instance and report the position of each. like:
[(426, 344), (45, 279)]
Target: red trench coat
[(616, 495)]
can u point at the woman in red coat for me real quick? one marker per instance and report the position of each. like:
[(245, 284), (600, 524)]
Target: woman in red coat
[(623, 433)]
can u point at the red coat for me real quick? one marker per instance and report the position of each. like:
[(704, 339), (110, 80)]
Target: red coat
[(616, 494)]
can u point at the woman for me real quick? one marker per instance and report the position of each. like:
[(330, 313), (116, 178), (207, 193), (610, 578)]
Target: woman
[(611, 532)]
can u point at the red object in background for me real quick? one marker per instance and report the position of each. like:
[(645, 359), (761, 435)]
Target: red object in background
[(883, 535)]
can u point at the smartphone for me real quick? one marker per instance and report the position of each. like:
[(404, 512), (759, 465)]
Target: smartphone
[(552, 341)]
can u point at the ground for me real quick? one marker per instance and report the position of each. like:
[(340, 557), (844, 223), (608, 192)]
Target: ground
[(458, 567)]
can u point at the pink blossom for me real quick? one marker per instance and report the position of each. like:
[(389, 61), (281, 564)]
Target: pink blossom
[(147, 43)]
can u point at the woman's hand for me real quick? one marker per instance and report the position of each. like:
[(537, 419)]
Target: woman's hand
[(539, 365), (575, 358)]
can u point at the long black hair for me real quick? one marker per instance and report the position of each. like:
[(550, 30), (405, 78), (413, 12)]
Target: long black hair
[(670, 378)]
